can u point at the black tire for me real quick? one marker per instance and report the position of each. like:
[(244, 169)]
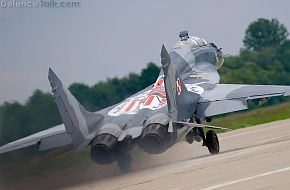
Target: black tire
[(124, 163), (212, 142)]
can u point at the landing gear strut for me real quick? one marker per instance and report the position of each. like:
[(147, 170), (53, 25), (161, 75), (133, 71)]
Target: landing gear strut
[(196, 133), (212, 142), (124, 162)]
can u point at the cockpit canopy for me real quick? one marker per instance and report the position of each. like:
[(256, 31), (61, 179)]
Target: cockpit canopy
[(194, 54), (191, 42)]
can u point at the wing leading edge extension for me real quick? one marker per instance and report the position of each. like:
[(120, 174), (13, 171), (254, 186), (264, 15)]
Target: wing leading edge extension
[(225, 98)]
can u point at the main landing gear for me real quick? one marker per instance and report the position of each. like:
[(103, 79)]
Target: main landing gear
[(210, 140)]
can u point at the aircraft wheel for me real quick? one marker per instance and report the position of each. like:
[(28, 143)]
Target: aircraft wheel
[(124, 163), (212, 142)]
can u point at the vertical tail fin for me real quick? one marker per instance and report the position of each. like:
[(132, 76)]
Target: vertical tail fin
[(180, 101), (169, 82), (78, 122)]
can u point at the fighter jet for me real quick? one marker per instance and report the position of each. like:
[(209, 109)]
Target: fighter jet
[(184, 98)]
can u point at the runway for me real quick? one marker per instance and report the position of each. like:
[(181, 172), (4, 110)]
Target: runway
[(251, 158)]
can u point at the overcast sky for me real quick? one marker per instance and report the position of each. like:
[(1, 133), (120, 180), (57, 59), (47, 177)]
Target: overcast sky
[(104, 39)]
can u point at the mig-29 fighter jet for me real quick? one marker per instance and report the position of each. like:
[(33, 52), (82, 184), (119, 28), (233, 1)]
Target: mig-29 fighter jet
[(186, 93)]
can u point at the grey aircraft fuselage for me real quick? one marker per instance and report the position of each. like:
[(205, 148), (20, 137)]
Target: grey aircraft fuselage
[(197, 67)]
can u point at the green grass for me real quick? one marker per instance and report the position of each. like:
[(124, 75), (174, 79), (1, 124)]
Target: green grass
[(254, 117)]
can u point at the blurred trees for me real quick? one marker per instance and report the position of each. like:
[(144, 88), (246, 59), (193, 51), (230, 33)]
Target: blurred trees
[(17, 120), (266, 58), (263, 32), (267, 66)]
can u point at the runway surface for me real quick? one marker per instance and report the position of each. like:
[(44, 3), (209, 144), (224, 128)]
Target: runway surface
[(250, 158)]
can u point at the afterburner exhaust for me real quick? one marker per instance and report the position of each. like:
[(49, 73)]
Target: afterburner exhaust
[(156, 139), (103, 149)]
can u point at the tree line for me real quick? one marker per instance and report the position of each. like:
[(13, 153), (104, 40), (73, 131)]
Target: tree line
[(264, 59)]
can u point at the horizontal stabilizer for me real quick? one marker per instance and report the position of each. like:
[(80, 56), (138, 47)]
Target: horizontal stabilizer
[(50, 138)]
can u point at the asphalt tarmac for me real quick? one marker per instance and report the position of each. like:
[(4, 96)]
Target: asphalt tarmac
[(251, 158)]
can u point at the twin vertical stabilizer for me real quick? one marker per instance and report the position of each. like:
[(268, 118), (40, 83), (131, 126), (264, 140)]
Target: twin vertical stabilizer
[(179, 99), (78, 122)]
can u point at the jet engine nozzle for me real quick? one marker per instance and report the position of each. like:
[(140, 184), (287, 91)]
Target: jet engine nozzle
[(103, 148), (155, 138)]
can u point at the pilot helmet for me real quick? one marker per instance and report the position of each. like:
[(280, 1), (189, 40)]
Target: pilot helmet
[(183, 35)]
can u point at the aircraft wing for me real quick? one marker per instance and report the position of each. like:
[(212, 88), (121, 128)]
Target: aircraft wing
[(225, 98), (47, 139)]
